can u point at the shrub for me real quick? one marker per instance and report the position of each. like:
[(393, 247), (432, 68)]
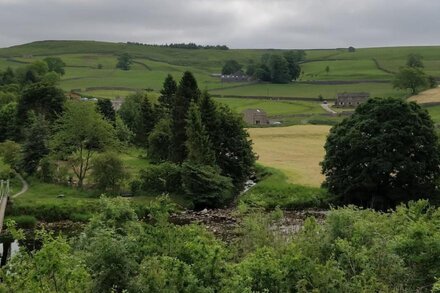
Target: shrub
[(162, 178), (205, 186), (25, 221), (109, 172)]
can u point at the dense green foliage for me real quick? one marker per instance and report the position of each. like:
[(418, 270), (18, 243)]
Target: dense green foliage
[(352, 251), (35, 144), (231, 67), (79, 134), (385, 153), (208, 139), (109, 172), (125, 61), (411, 78)]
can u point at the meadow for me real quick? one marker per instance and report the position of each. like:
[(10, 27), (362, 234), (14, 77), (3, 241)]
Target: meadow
[(153, 63), (295, 150)]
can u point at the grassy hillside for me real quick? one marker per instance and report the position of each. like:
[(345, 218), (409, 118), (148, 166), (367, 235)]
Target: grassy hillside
[(152, 64)]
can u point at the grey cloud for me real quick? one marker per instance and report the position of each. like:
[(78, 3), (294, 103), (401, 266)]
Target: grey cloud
[(237, 23)]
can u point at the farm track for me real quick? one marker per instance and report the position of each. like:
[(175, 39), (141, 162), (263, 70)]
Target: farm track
[(25, 186)]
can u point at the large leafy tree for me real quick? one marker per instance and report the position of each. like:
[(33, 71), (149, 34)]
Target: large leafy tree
[(385, 153), (415, 61), (125, 61), (43, 99), (231, 66), (55, 64), (411, 78), (80, 133)]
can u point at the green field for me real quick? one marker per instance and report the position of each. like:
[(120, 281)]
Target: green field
[(153, 63), (310, 91)]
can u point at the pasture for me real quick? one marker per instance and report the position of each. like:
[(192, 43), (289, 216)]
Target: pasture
[(153, 63), (310, 90), (295, 150)]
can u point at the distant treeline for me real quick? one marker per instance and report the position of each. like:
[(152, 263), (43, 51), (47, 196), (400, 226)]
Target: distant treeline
[(183, 46)]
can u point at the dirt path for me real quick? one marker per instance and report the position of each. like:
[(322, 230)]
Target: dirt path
[(25, 186), (327, 108)]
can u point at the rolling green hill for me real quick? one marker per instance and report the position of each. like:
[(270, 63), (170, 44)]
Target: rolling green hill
[(369, 69)]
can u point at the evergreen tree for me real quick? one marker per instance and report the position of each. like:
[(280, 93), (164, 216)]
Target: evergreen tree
[(105, 107), (167, 94), (145, 123), (159, 141), (233, 148), (35, 145), (187, 91), (199, 147)]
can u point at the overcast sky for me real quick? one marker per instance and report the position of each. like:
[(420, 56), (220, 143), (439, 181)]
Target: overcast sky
[(236, 23)]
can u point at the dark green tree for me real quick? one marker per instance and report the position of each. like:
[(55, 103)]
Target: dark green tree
[(130, 110), (387, 152), (279, 69), (414, 61), (233, 147), (109, 172), (199, 147), (8, 76), (8, 125), (187, 92), (293, 58), (145, 123), (205, 186), (411, 78), (231, 66), (125, 61), (42, 98), (55, 64), (327, 69), (105, 107), (35, 145), (167, 94), (159, 141)]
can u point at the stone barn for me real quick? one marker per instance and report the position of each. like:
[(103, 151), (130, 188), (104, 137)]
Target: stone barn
[(255, 117), (238, 76), (351, 100)]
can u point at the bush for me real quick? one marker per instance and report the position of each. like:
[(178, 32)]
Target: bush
[(109, 172), (25, 221), (6, 171), (205, 186), (162, 178)]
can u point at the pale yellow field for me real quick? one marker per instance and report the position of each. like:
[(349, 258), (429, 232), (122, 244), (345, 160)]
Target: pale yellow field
[(429, 96), (295, 150)]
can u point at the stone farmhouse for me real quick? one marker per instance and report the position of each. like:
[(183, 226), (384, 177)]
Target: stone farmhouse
[(351, 100), (238, 76), (255, 117)]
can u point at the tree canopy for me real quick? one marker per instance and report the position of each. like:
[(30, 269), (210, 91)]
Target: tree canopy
[(80, 133), (231, 67), (385, 153), (411, 78)]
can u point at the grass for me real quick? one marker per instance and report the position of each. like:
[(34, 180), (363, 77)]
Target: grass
[(275, 190), (310, 90), (343, 70), (273, 107), (295, 150)]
